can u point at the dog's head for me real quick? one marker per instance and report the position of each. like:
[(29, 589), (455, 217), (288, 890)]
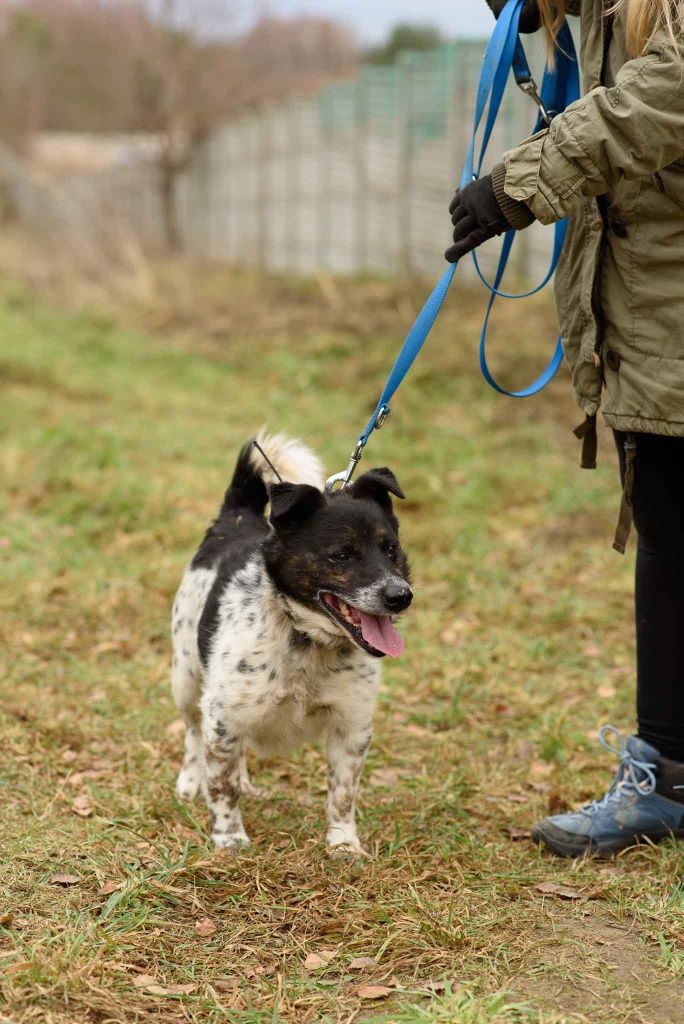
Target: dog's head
[(338, 554)]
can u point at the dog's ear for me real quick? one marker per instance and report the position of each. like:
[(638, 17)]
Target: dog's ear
[(293, 504), (377, 484)]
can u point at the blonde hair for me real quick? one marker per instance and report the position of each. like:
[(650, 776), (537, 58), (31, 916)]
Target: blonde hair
[(643, 18)]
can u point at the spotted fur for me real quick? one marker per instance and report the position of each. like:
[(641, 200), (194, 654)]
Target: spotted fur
[(258, 664)]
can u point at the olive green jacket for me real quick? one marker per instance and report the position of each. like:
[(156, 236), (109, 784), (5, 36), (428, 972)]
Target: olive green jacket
[(614, 163)]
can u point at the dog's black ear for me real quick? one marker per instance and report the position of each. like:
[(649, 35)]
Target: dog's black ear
[(293, 504), (377, 484)]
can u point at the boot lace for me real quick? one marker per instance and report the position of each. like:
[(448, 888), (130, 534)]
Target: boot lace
[(632, 775)]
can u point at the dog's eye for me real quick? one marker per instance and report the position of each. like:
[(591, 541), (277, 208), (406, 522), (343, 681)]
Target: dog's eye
[(340, 556), (388, 548)]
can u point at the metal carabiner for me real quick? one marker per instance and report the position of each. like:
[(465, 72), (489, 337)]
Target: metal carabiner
[(345, 476), (529, 87)]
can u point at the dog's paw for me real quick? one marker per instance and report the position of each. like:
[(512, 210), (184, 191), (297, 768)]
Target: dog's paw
[(348, 852), (188, 784), (232, 842), (249, 789)]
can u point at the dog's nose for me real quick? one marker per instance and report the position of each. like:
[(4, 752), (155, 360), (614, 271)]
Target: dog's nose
[(397, 596)]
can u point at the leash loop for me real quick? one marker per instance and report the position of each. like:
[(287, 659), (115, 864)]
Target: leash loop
[(560, 86)]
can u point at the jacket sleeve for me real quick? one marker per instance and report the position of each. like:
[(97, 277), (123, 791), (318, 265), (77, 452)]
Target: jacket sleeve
[(612, 134)]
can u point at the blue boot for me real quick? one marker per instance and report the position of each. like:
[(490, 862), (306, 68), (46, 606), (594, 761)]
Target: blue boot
[(645, 800)]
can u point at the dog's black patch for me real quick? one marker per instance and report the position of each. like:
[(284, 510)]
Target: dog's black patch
[(299, 641), (340, 542)]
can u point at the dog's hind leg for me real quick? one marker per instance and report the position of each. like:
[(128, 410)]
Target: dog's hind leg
[(191, 776), (186, 685), (246, 784), (186, 676)]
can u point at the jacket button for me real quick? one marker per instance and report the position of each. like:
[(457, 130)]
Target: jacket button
[(613, 360), (596, 225)]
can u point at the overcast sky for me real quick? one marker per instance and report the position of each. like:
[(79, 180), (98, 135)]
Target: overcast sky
[(372, 18)]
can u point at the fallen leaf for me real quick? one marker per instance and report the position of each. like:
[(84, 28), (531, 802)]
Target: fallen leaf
[(176, 728), (607, 690), (205, 927), (256, 972), (359, 963), (540, 769), (226, 984), (315, 961), (78, 778), (149, 984), (64, 880), (6, 920), (109, 887), (17, 967), (564, 891), (143, 980), (383, 777), (557, 804), (373, 991), (82, 806), (417, 730), (69, 756), (518, 833), (438, 987)]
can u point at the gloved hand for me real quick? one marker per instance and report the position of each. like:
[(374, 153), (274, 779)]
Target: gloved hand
[(476, 216), (530, 19)]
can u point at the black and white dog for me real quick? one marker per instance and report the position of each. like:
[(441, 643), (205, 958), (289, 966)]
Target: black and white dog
[(278, 626)]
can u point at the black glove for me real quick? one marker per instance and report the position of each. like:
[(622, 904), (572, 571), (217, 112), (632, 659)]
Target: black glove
[(476, 216), (530, 19)]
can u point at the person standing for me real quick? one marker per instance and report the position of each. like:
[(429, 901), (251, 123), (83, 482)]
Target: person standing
[(613, 163)]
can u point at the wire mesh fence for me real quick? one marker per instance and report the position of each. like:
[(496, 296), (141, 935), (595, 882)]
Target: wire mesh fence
[(355, 179)]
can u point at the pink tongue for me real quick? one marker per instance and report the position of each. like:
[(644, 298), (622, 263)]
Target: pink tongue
[(378, 631)]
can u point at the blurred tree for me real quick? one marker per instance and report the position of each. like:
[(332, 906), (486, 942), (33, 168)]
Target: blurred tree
[(174, 68), (405, 37)]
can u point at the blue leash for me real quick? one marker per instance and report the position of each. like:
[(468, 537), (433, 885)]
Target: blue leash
[(560, 86)]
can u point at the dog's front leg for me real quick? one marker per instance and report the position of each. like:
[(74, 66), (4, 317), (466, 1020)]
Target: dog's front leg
[(348, 744), (222, 751)]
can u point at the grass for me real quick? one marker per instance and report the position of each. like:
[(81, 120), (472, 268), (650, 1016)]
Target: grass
[(119, 428)]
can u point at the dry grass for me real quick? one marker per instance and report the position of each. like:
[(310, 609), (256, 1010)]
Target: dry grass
[(120, 426)]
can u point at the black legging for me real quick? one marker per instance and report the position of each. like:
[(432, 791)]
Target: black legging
[(658, 506)]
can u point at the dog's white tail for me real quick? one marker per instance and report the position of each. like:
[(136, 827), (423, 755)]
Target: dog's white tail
[(295, 463)]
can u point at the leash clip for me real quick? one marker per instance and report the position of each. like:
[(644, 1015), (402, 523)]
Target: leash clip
[(529, 87), (345, 476)]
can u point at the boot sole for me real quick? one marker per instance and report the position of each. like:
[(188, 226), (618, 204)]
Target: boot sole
[(607, 849)]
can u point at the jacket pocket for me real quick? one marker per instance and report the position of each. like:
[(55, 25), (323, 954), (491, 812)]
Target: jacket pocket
[(670, 182)]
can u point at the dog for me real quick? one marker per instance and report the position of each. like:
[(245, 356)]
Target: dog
[(279, 625)]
